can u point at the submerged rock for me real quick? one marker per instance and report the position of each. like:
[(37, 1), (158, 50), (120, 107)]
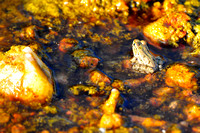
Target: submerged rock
[(181, 76)]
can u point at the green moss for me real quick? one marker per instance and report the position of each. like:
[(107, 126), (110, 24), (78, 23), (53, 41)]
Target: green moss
[(82, 88), (196, 41), (42, 7)]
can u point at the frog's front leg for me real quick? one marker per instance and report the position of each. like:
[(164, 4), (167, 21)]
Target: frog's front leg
[(160, 62), (133, 60)]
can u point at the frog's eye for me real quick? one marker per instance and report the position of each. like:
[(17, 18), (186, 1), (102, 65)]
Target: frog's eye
[(136, 41), (143, 42)]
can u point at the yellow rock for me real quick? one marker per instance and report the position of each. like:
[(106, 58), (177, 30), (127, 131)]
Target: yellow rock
[(110, 104), (111, 121), (24, 77)]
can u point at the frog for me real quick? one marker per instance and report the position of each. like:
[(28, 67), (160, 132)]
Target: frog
[(143, 61)]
